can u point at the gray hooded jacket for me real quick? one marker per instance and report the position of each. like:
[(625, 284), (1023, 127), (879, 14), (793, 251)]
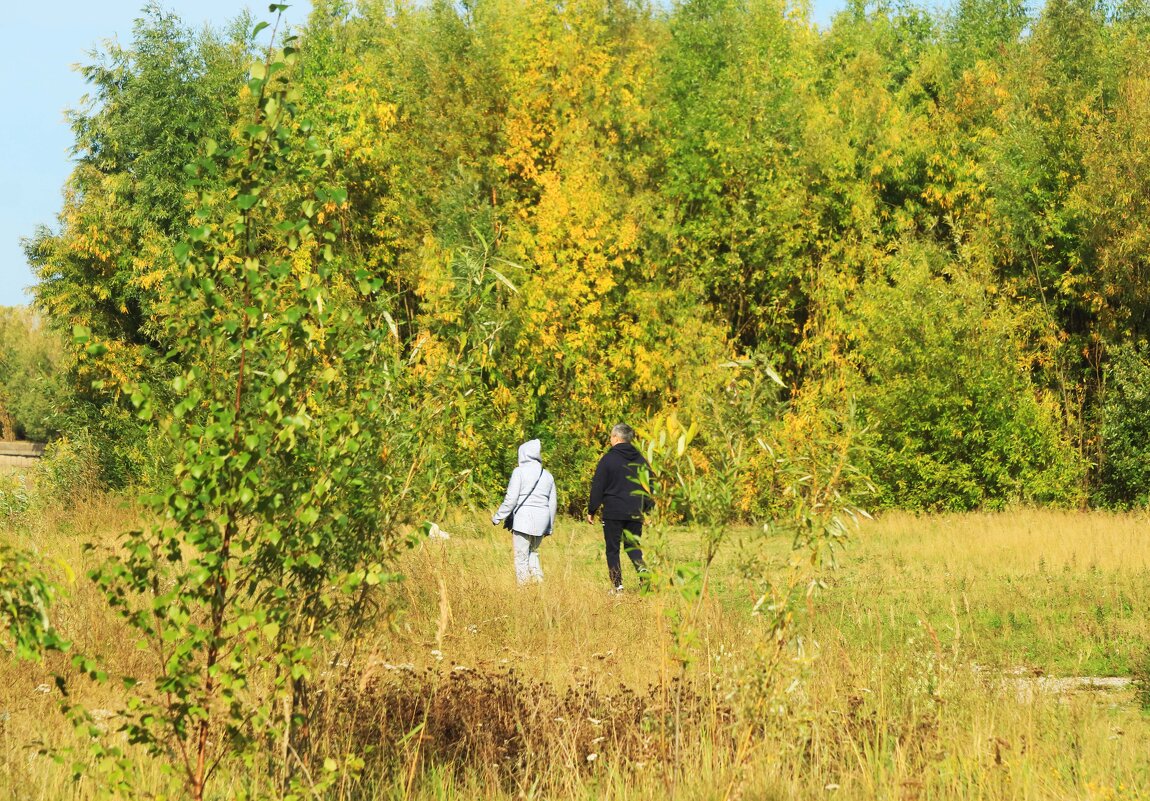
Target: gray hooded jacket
[(534, 513)]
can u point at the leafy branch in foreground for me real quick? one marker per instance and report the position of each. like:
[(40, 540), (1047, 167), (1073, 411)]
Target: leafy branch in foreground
[(25, 596), (279, 516), (817, 479)]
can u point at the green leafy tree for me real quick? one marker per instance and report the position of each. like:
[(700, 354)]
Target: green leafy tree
[(983, 30), (415, 95), (1111, 207), (1056, 85), (32, 381), (1124, 429), (734, 194), (956, 421), (295, 455), (577, 211), (125, 207)]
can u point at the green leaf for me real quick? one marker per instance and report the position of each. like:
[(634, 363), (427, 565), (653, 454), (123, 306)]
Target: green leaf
[(391, 325), (502, 278)]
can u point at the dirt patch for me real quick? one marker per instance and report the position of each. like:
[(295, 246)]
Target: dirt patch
[(1028, 683)]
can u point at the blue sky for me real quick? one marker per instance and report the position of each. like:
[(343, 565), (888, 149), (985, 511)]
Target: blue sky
[(37, 84)]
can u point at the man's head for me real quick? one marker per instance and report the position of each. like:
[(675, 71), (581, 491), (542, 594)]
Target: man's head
[(621, 432)]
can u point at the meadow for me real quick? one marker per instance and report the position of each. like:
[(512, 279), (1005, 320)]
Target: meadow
[(946, 657), (305, 286)]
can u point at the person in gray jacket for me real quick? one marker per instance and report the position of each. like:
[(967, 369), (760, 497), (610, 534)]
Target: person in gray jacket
[(530, 503)]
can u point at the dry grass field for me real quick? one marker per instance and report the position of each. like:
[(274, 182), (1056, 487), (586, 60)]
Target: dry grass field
[(947, 658)]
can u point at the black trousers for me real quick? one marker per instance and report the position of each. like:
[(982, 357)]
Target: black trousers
[(626, 533)]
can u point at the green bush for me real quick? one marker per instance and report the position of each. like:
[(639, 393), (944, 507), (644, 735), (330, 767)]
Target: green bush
[(68, 470), (15, 498), (26, 629), (1124, 429), (955, 422), (31, 376)]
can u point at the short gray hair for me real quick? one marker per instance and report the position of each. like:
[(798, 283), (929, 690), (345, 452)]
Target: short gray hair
[(623, 432)]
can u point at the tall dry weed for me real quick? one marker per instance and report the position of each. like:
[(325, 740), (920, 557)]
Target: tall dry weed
[(903, 687)]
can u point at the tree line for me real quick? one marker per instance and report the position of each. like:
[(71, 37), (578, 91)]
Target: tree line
[(919, 236)]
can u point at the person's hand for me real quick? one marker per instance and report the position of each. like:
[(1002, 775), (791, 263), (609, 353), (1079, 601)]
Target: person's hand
[(590, 518)]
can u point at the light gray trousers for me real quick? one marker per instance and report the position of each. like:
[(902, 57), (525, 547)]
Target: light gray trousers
[(527, 567)]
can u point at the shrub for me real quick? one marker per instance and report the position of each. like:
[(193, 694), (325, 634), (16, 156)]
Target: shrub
[(31, 376), (1142, 680), (68, 470), (296, 451), (25, 596), (955, 421), (1124, 429), (15, 497)]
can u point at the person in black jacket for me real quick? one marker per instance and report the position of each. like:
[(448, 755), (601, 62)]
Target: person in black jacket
[(615, 488)]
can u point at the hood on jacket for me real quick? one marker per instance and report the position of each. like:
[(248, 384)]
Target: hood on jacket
[(530, 451), (627, 451)]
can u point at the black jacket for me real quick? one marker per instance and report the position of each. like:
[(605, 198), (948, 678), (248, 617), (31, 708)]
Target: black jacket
[(615, 485)]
